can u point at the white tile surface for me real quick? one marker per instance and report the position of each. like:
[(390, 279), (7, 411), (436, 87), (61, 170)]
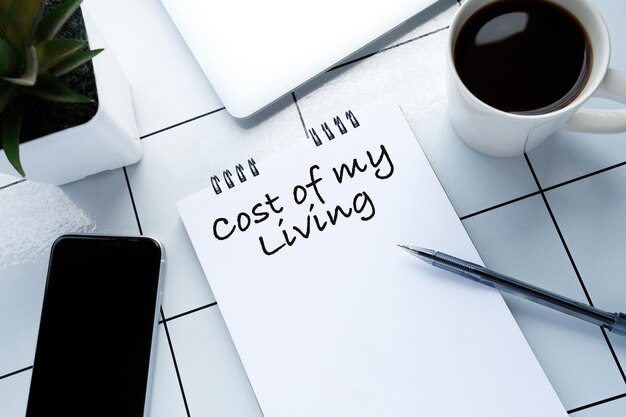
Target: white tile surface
[(520, 240), (213, 377)]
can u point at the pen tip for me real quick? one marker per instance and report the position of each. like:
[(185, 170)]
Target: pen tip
[(416, 249), (422, 253)]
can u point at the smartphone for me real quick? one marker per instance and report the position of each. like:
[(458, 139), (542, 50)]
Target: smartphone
[(98, 327)]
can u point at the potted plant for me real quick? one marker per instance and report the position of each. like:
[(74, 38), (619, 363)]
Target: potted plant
[(49, 130)]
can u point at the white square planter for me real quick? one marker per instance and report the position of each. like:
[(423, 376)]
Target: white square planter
[(109, 140)]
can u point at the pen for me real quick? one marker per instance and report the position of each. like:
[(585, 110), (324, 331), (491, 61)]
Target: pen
[(613, 322)]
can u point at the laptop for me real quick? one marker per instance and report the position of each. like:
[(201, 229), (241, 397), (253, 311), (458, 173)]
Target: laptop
[(254, 52)]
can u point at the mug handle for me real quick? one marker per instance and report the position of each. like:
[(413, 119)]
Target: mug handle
[(613, 87)]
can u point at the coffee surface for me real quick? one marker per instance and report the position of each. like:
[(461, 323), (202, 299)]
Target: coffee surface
[(523, 56)]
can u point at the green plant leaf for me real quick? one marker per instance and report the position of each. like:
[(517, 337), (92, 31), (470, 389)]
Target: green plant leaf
[(9, 63), (10, 124), (74, 61), (52, 52), (54, 20), (29, 77), (49, 88), (22, 16)]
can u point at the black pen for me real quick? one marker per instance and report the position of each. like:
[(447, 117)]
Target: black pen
[(613, 322)]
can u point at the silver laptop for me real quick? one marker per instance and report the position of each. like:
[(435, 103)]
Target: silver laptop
[(254, 52)]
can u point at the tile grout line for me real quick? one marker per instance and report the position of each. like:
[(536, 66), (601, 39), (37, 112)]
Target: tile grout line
[(572, 262), (594, 404), (19, 371), (181, 123), (132, 200), (180, 381), (506, 203), (295, 101), (422, 36), (584, 176), (352, 61), (12, 184), (612, 350), (188, 312)]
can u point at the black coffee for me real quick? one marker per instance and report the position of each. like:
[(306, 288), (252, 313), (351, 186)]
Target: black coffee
[(523, 56)]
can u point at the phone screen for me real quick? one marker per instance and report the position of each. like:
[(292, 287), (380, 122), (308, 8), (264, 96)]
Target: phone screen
[(96, 331)]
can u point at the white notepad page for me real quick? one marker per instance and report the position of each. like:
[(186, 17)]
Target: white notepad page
[(336, 320)]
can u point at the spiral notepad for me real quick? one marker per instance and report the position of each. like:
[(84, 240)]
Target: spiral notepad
[(329, 317)]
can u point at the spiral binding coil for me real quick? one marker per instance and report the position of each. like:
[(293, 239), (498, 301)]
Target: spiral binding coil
[(339, 124), (341, 129), (227, 175)]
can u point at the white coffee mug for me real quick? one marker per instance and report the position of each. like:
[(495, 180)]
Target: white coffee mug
[(498, 133)]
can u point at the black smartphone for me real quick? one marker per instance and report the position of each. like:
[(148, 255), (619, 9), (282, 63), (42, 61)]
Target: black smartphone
[(98, 327)]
